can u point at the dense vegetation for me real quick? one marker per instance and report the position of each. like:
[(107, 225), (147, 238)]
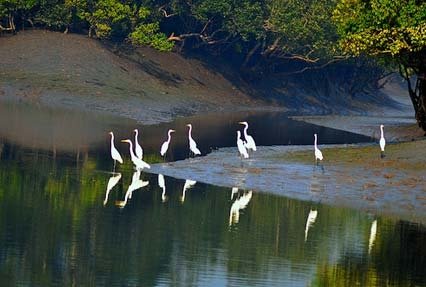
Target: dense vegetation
[(259, 35)]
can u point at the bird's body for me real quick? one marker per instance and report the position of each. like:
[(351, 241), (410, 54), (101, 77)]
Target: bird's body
[(249, 144), (165, 145), (188, 184), (192, 144), (140, 164), (239, 203), (136, 183), (113, 180), (162, 185), (318, 153), (310, 221), (114, 152), (382, 142), (373, 231), (138, 148), (241, 148)]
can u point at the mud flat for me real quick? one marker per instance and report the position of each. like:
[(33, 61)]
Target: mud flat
[(350, 176)]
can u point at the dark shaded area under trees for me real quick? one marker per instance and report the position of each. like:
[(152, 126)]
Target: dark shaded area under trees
[(279, 37)]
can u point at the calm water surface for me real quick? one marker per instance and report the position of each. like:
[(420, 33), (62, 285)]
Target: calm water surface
[(60, 227)]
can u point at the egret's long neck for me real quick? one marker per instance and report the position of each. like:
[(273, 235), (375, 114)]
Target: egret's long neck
[(245, 131), (315, 142), (169, 136), (132, 155), (136, 137), (381, 131), (189, 132), (112, 140)]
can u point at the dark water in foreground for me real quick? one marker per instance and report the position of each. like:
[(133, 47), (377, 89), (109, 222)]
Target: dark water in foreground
[(56, 230), (58, 227)]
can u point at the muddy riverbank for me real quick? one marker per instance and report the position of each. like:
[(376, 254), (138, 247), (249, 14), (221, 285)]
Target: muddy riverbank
[(353, 176)]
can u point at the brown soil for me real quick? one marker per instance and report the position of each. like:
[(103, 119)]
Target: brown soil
[(73, 71)]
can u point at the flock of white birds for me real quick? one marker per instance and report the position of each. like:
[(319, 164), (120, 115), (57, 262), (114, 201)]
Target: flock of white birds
[(244, 146)]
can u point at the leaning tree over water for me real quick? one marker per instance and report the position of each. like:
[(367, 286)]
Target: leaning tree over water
[(395, 32)]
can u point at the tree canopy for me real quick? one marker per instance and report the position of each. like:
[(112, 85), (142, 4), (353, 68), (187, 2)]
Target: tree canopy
[(392, 30)]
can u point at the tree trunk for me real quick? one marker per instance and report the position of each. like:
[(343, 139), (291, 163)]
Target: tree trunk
[(418, 98)]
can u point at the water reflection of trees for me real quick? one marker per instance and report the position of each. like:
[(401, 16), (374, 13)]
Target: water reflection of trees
[(55, 229)]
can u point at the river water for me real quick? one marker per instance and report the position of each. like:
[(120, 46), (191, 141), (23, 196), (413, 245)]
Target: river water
[(61, 226)]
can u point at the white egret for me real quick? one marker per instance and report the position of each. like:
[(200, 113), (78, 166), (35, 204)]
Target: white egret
[(140, 164), (192, 144), (165, 145), (318, 153), (188, 184), (114, 152), (162, 185), (373, 231), (310, 221), (113, 180), (241, 148), (138, 148), (250, 144), (239, 204), (382, 142)]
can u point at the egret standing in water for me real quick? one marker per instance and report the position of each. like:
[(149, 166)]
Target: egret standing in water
[(241, 147), (250, 144), (140, 164), (318, 153), (114, 152), (382, 142), (138, 148), (192, 144), (165, 145)]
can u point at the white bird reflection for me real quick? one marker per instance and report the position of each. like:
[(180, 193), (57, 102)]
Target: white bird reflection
[(373, 231), (234, 191), (310, 221), (239, 204), (162, 185), (113, 180), (188, 184), (136, 184)]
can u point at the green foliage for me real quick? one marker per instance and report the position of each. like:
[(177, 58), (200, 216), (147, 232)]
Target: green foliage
[(110, 18), (149, 35), (381, 26)]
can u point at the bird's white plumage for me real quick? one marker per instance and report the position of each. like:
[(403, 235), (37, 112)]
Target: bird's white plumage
[(241, 148), (318, 153), (382, 141), (250, 143), (162, 184), (165, 145), (239, 204), (136, 183), (188, 184), (138, 148), (113, 180), (114, 152), (373, 231), (139, 164), (192, 144), (310, 221)]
